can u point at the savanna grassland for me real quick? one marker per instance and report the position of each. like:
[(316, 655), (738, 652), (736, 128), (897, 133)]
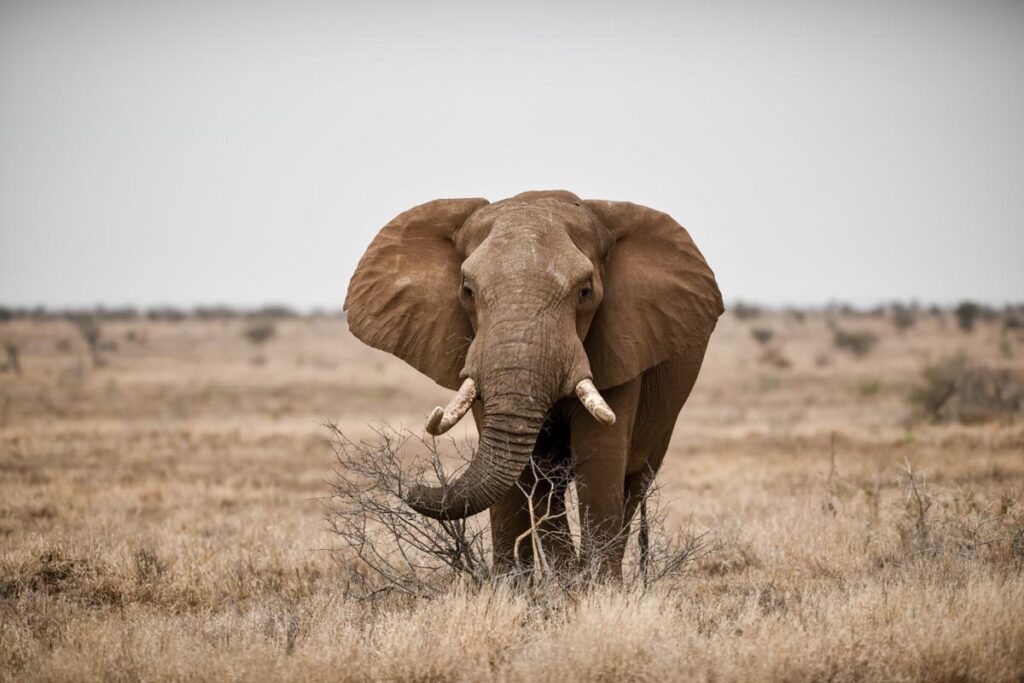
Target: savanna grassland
[(162, 513)]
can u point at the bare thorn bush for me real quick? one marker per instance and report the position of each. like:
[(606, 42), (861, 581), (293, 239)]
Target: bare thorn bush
[(88, 327), (12, 350), (391, 549), (937, 522), (394, 548)]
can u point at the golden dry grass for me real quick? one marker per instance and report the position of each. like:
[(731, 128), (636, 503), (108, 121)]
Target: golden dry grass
[(160, 520)]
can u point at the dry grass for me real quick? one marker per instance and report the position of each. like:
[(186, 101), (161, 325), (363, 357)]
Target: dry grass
[(162, 518)]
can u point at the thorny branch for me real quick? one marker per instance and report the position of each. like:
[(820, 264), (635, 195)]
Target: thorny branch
[(393, 549)]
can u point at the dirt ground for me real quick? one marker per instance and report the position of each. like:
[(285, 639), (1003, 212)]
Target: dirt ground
[(161, 517)]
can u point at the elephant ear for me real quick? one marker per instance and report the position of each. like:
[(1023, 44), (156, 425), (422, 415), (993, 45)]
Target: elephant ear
[(660, 296), (403, 297)]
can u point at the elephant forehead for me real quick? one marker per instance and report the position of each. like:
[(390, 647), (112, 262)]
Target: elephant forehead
[(533, 249)]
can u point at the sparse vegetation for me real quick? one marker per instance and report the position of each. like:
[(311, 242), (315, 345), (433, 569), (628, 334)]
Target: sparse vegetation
[(958, 390), (397, 550), (967, 313), (762, 335), (902, 317), (157, 525), (259, 332), (745, 311), (13, 352), (857, 342), (89, 329)]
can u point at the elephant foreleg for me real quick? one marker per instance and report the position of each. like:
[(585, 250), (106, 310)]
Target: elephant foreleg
[(600, 454)]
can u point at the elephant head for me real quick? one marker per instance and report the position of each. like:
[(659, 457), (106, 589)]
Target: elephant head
[(523, 302)]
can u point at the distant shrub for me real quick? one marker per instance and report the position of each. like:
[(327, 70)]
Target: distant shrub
[(135, 337), (122, 313), (762, 335), (166, 313), (215, 313), (745, 311), (1013, 318), (954, 389), (89, 328), (259, 332), (274, 311), (858, 343), (13, 355), (967, 313), (902, 317), (840, 308)]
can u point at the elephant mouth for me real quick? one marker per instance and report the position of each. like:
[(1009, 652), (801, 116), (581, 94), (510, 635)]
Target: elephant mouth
[(443, 419), (507, 436)]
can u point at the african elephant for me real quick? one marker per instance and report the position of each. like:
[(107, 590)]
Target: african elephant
[(574, 330)]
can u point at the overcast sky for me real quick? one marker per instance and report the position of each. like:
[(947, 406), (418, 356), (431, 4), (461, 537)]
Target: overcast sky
[(247, 152)]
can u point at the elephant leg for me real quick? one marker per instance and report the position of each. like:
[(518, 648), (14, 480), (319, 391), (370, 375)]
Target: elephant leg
[(541, 487), (639, 483), (554, 536), (600, 454)]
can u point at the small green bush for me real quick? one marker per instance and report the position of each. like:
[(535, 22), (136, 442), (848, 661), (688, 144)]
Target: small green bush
[(967, 313)]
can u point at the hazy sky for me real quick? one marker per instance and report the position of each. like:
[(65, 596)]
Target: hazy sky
[(247, 152)]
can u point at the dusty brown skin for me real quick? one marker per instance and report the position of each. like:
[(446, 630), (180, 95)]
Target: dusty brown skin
[(528, 297)]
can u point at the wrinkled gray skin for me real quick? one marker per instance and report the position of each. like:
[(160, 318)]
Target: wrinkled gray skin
[(528, 297)]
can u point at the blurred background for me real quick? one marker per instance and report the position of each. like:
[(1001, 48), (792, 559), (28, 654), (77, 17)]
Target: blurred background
[(244, 153)]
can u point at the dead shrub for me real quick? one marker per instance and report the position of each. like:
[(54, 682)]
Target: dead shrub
[(12, 350), (937, 521), (259, 332), (953, 389), (745, 311), (396, 549), (902, 317), (858, 343), (88, 327), (389, 548)]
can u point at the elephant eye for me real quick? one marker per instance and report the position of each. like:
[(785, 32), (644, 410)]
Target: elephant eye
[(467, 291), (585, 293)]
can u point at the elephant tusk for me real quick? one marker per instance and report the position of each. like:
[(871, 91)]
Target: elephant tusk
[(594, 402), (443, 419)]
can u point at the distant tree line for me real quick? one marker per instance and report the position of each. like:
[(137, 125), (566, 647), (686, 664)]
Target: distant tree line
[(165, 313), (902, 315)]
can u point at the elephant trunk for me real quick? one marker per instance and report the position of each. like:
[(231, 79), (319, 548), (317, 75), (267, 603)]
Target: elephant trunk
[(507, 437)]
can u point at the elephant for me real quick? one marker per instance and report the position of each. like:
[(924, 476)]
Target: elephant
[(573, 330)]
